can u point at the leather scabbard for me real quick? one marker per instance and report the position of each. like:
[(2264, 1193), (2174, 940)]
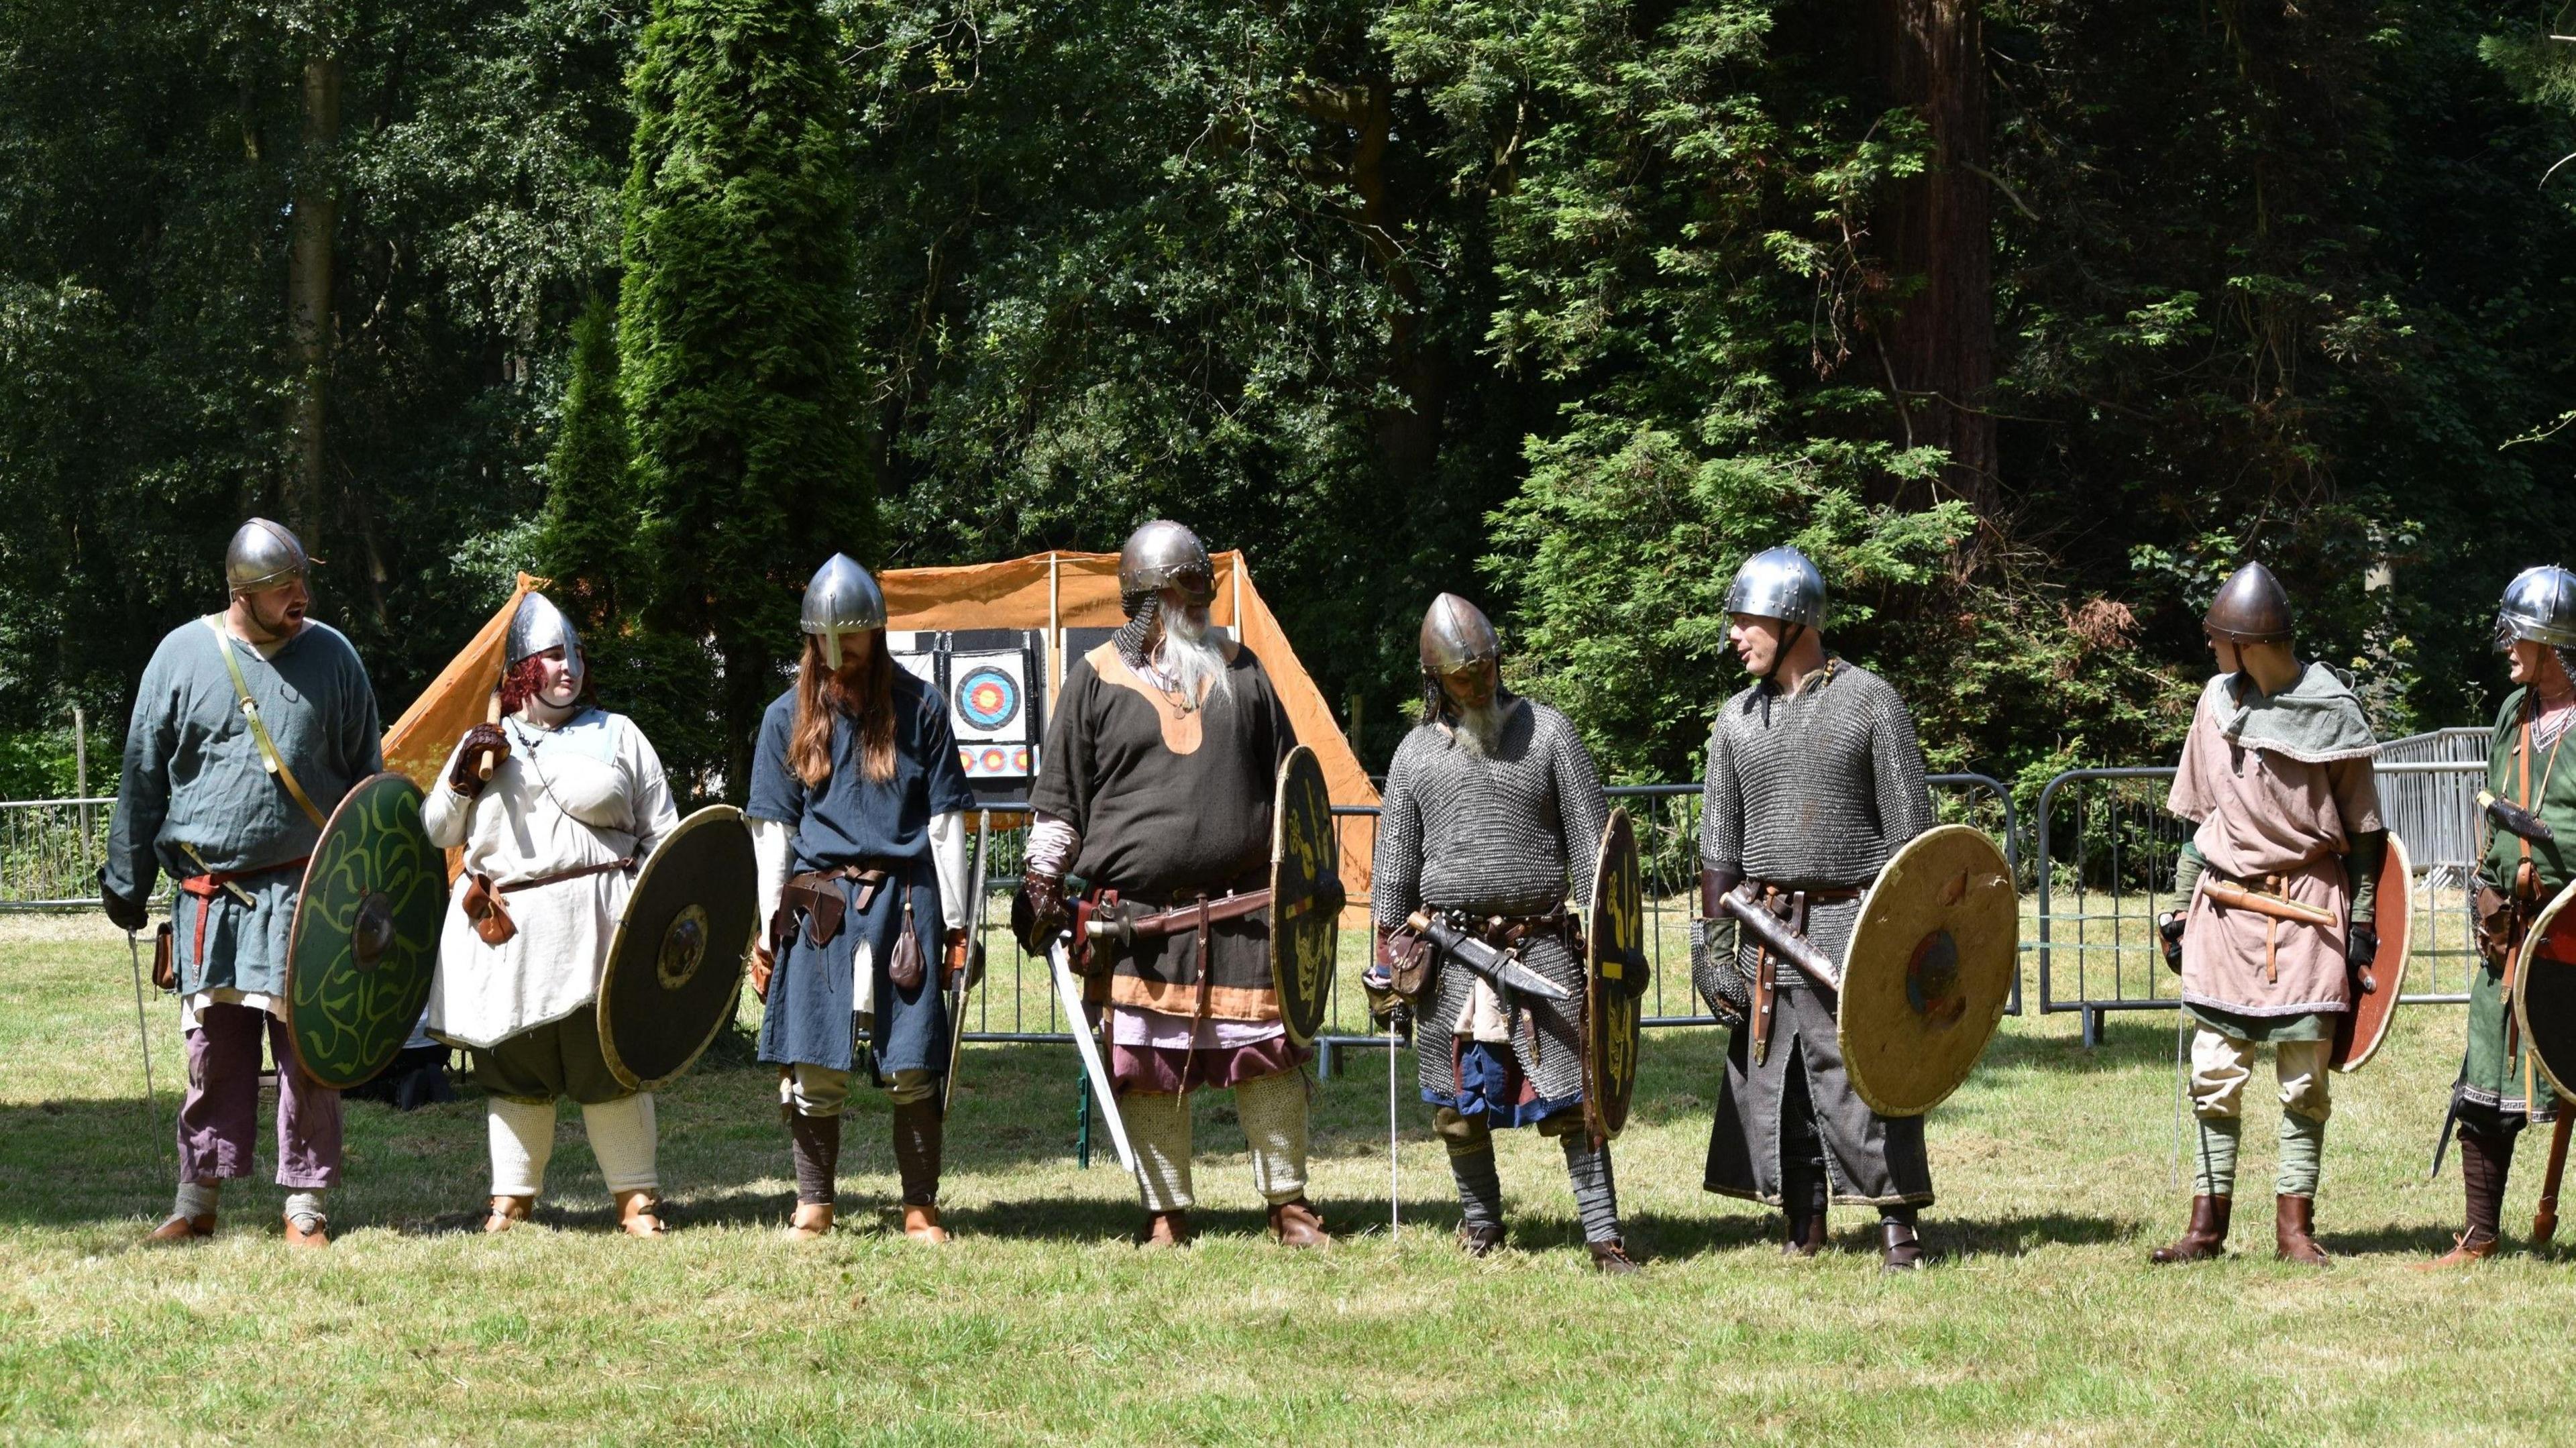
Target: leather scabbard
[(2262, 902)]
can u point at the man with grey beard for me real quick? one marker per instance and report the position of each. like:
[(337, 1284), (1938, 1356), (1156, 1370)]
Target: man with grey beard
[(1155, 792), (1492, 815)]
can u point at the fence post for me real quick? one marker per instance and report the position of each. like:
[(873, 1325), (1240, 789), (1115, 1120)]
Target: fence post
[(80, 776)]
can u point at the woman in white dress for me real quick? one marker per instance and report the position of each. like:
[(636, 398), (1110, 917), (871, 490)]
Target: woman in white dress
[(573, 803)]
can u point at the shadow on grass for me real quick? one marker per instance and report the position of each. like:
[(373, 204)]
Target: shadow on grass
[(2129, 1039)]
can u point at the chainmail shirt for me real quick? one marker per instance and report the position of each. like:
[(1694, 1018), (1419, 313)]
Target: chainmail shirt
[(1513, 832)]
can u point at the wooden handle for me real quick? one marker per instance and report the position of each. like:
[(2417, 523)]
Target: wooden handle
[(2544, 1222), (2237, 897), (491, 715)]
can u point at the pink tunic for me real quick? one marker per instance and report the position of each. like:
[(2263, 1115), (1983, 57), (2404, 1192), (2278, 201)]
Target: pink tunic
[(2275, 824)]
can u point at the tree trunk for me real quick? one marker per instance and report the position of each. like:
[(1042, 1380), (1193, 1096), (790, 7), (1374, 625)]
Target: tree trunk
[(315, 217), (1938, 350)]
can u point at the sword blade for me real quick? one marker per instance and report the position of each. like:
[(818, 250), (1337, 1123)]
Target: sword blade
[(1077, 1020), (143, 1033)]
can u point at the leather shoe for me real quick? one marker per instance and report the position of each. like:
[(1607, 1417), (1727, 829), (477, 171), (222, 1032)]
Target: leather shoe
[(2205, 1238), (1166, 1229), (1295, 1224), (2466, 1251), (1611, 1258), (2294, 1231), (182, 1229), (921, 1224), (813, 1221), (299, 1235), (1480, 1239), (1900, 1249), (639, 1214)]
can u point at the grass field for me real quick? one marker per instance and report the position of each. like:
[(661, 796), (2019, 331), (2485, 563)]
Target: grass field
[(2056, 1168)]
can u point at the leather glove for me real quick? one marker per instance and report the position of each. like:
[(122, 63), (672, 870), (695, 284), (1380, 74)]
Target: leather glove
[(958, 967), (124, 914), (2169, 934), (467, 778), (2360, 948), (1038, 913), (761, 967)]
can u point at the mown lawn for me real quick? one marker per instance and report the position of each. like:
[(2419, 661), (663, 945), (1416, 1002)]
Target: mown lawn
[(2056, 1166)]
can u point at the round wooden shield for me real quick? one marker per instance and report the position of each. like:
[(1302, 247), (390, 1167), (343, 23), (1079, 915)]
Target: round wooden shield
[(364, 945), (1929, 970), (675, 964), (1305, 895), (1614, 946), (2359, 1031), (2544, 990)]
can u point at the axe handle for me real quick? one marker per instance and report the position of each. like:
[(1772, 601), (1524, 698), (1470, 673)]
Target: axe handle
[(2544, 1221), (1785, 943), (2237, 897), (484, 765)]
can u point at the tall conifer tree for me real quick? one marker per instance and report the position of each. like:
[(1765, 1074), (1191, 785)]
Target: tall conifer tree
[(738, 338), (587, 547)]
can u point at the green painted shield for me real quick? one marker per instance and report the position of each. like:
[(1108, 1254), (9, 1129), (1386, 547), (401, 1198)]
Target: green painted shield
[(1614, 939), (1305, 895), (365, 940)]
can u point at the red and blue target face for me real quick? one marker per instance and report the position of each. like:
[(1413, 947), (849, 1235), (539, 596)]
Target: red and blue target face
[(988, 698)]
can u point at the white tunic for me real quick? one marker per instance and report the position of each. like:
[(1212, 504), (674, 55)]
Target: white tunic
[(586, 793)]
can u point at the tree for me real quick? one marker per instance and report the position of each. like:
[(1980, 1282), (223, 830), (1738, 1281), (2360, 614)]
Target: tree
[(587, 537), (738, 341)]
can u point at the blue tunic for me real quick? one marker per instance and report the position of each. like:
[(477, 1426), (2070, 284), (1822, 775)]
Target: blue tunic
[(194, 776), (849, 820)]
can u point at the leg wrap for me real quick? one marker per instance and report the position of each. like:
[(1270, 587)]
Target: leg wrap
[(2215, 1176), (523, 1140), (2303, 1149), (1596, 1196), (815, 1142), (916, 1148), (1471, 1163), (1273, 1112), (2485, 1162), (622, 1137), (1804, 1185), (1158, 1126)]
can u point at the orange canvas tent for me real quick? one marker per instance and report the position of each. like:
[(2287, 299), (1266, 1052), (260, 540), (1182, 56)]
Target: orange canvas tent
[(1048, 592)]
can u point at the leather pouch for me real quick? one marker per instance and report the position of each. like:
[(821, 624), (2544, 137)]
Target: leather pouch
[(2495, 923), (904, 967), (482, 905), (824, 910), (165, 958), (1409, 960)]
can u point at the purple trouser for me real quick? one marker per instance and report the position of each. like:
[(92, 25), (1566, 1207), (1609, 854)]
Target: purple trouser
[(219, 1117)]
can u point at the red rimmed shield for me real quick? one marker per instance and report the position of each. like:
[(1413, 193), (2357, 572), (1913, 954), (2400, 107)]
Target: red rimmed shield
[(2359, 1031)]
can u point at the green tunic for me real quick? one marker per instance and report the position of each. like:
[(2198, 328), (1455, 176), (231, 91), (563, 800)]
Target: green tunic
[(2495, 1076)]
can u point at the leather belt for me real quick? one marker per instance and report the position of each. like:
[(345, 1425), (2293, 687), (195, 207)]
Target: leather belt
[(220, 882), (1790, 904), (824, 908), (2270, 899), (1103, 915)]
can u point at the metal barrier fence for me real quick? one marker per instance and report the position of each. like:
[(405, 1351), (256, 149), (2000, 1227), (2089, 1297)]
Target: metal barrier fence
[(2116, 868), (50, 850)]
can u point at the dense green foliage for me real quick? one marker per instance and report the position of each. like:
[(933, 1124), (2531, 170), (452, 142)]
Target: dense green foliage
[(1566, 304)]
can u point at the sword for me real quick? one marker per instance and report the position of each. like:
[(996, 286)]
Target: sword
[(1784, 942), (974, 965), (2237, 897), (143, 1033), (1068, 990), (1501, 969)]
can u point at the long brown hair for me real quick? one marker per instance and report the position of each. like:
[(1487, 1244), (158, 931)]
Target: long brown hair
[(820, 697)]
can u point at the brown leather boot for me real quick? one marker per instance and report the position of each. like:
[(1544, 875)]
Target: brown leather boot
[(921, 1224), (1294, 1223), (1900, 1249), (1802, 1199), (181, 1229), (1806, 1236), (507, 1212), (2484, 1166), (1611, 1258), (2205, 1238), (1166, 1229), (639, 1213), (318, 1235), (2294, 1221), (812, 1222), (1480, 1239)]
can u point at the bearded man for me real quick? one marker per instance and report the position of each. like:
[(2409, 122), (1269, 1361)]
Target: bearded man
[(1814, 780), (248, 727), (1155, 791), (2276, 780), (2500, 1087), (1491, 816)]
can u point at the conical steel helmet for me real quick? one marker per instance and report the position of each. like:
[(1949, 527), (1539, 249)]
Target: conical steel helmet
[(261, 555), (2251, 608), (538, 626), (2539, 604), (1456, 633), (841, 598), (1164, 554)]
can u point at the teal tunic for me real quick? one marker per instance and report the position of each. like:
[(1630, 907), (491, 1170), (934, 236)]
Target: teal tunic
[(2494, 1076), (194, 776)]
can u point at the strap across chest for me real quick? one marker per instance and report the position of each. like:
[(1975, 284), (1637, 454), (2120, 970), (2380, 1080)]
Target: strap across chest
[(268, 752)]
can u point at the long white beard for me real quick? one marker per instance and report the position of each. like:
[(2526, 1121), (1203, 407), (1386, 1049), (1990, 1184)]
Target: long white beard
[(1191, 659), (1479, 731)]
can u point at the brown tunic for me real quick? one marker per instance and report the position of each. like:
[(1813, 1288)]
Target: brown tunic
[(2271, 823)]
